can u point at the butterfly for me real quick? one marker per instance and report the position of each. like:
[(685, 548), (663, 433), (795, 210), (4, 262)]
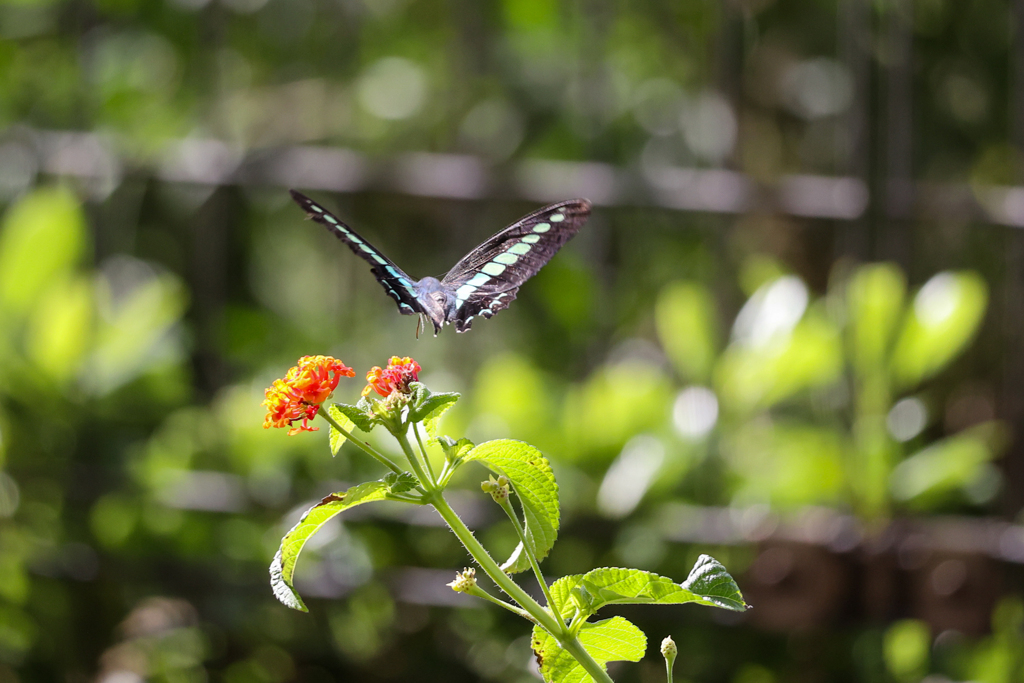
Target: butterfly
[(484, 282)]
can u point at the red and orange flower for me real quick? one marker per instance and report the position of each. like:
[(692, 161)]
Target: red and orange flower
[(298, 396), (397, 376)]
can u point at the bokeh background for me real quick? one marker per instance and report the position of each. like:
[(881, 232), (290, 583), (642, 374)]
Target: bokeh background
[(790, 335)]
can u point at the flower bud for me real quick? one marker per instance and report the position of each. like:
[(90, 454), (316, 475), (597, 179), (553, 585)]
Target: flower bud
[(669, 649), (498, 488), (464, 581)]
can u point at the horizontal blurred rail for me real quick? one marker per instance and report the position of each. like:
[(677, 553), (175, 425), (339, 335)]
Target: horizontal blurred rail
[(93, 158)]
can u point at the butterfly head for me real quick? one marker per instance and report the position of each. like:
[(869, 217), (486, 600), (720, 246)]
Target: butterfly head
[(437, 301)]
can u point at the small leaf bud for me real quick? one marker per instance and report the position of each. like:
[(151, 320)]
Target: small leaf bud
[(464, 581)]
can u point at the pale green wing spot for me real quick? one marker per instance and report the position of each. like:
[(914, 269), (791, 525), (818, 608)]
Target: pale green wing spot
[(316, 208), (557, 218), (531, 239), (541, 227), (493, 268), (519, 248), (378, 259), (507, 258), (464, 292), (330, 219), (479, 279)]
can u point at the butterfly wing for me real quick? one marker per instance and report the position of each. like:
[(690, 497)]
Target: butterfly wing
[(488, 278), (396, 283)]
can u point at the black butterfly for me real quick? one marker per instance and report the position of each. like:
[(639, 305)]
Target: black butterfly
[(482, 283)]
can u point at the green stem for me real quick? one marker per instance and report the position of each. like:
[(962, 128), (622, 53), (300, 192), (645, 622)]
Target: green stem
[(541, 616), (370, 450), (414, 462), (507, 507), (580, 654), (423, 450), (481, 593)]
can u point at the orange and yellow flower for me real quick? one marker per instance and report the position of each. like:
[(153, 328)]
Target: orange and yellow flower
[(298, 396), (397, 376)]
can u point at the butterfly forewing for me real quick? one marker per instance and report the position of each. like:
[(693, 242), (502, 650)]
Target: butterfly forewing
[(396, 283), (488, 278)]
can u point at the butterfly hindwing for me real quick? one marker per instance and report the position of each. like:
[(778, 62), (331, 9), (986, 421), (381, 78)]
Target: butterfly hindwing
[(488, 278), (396, 283)]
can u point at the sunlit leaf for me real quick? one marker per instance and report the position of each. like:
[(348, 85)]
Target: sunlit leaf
[(615, 404), (686, 321), (946, 313), (708, 584), (874, 303), (337, 438), (905, 648), (534, 483), (760, 375), (428, 407), (282, 569), (947, 465), (357, 415), (786, 462), (42, 237), (60, 328), (136, 324), (611, 640)]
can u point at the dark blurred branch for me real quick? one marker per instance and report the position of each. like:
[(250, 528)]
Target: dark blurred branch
[(91, 158)]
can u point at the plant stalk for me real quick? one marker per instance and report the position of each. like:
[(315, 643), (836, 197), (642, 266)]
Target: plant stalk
[(543, 618), (423, 450), (507, 507), (367, 448), (414, 461)]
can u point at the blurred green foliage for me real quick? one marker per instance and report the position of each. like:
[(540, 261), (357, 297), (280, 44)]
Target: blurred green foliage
[(714, 360)]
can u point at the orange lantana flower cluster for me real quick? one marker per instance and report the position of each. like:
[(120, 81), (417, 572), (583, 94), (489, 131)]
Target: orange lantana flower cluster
[(397, 376), (298, 396)]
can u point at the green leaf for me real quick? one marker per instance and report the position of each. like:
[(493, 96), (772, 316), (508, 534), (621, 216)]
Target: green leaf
[(949, 464), (946, 313), (337, 438), (400, 483), (709, 579), (611, 640), (358, 414), (282, 569), (758, 373), (874, 301), (708, 584), (454, 450), (43, 237), (686, 321), (534, 482), (428, 407)]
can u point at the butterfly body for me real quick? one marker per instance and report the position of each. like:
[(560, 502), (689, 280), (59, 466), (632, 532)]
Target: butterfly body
[(485, 281)]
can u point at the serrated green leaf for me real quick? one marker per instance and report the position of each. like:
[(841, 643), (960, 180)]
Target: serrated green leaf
[(359, 414), (428, 407), (454, 450), (534, 482), (282, 569), (337, 438), (400, 483), (611, 640), (708, 584), (709, 579)]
